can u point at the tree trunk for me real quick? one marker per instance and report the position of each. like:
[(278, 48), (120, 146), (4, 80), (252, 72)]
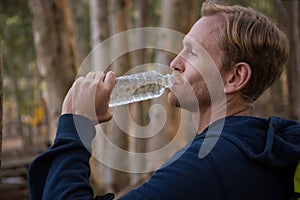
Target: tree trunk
[(18, 98), (17, 93), (56, 55), (99, 33), (292, 65), (296, 37), (1, 105), (178, 15), (290, 20), (276, 98), (79, 10)]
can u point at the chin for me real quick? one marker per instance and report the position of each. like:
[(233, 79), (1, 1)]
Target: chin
[(190, 106), (172, 99)]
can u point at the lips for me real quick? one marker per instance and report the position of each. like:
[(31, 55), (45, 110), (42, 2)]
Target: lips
[(176, 83), (178, 80), (176, 77)]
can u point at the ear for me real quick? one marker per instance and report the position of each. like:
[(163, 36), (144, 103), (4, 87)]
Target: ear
[(237, 78)]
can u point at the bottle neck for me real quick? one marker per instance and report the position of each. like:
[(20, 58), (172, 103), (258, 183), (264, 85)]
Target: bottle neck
[(168, 80)]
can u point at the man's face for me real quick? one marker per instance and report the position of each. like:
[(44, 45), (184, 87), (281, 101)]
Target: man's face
[(198, 81)]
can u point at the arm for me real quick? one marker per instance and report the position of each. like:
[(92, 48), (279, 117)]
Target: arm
[(63, 171)]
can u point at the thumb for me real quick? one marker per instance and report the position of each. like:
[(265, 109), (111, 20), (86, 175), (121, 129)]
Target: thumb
[(109, 80)]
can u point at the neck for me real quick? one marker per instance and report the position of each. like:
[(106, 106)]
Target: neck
[(212, 113)]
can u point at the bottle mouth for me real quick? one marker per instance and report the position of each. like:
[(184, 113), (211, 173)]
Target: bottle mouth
[(169, 80)]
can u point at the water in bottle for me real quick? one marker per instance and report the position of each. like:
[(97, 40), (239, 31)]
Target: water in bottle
[(139, 87)]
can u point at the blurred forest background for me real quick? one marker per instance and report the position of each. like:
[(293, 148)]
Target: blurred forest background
[(43, 44)]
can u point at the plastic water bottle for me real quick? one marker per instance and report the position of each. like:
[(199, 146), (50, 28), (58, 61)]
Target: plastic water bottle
[(139, 87)]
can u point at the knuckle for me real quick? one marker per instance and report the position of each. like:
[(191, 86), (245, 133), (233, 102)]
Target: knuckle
[(78, 80), (81, 78), (91, 73)]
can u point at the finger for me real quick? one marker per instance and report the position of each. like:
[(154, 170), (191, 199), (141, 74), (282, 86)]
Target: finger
[(77, 82), (99, 76), (110, 79), (67, 103), (90, 75), (79, 79)]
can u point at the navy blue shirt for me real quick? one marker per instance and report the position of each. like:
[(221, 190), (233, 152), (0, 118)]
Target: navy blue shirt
[(253, 158)]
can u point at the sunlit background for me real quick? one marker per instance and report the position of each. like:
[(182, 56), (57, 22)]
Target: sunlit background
[(43, 45)]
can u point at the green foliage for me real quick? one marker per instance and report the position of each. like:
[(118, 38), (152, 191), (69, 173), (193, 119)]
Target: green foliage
[(16, 33), (18, 54), (265, 6)]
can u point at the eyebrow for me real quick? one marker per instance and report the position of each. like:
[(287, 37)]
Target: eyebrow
[(186, 41)]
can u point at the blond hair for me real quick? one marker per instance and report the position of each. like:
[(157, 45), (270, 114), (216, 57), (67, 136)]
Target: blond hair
[(249, 36)]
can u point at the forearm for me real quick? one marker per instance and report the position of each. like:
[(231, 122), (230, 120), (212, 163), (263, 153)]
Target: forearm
[(63, 171)]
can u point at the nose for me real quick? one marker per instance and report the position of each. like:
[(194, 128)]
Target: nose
[(177, 64)]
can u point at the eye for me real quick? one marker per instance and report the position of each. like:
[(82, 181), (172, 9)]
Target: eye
[(192, 52)]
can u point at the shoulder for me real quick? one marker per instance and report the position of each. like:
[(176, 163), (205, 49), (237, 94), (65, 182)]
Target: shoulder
[(184, 175)]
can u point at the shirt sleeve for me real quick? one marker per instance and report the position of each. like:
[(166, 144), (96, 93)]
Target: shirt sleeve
[(63, 171)]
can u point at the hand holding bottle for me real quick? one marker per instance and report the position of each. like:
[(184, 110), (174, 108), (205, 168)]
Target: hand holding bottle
[(89, 96)]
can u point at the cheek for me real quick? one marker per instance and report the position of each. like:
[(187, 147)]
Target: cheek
[(195, 79), (200, 89), (193, 87)]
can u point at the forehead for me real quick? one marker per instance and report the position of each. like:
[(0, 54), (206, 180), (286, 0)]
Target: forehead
[(204, 31)]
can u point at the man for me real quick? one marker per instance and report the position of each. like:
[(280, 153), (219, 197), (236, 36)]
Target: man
[(252, 158)]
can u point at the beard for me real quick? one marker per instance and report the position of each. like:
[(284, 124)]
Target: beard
[(194, 96), (190, 99)]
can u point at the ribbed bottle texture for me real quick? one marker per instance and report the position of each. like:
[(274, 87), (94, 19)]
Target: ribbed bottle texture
[(139, 87)]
